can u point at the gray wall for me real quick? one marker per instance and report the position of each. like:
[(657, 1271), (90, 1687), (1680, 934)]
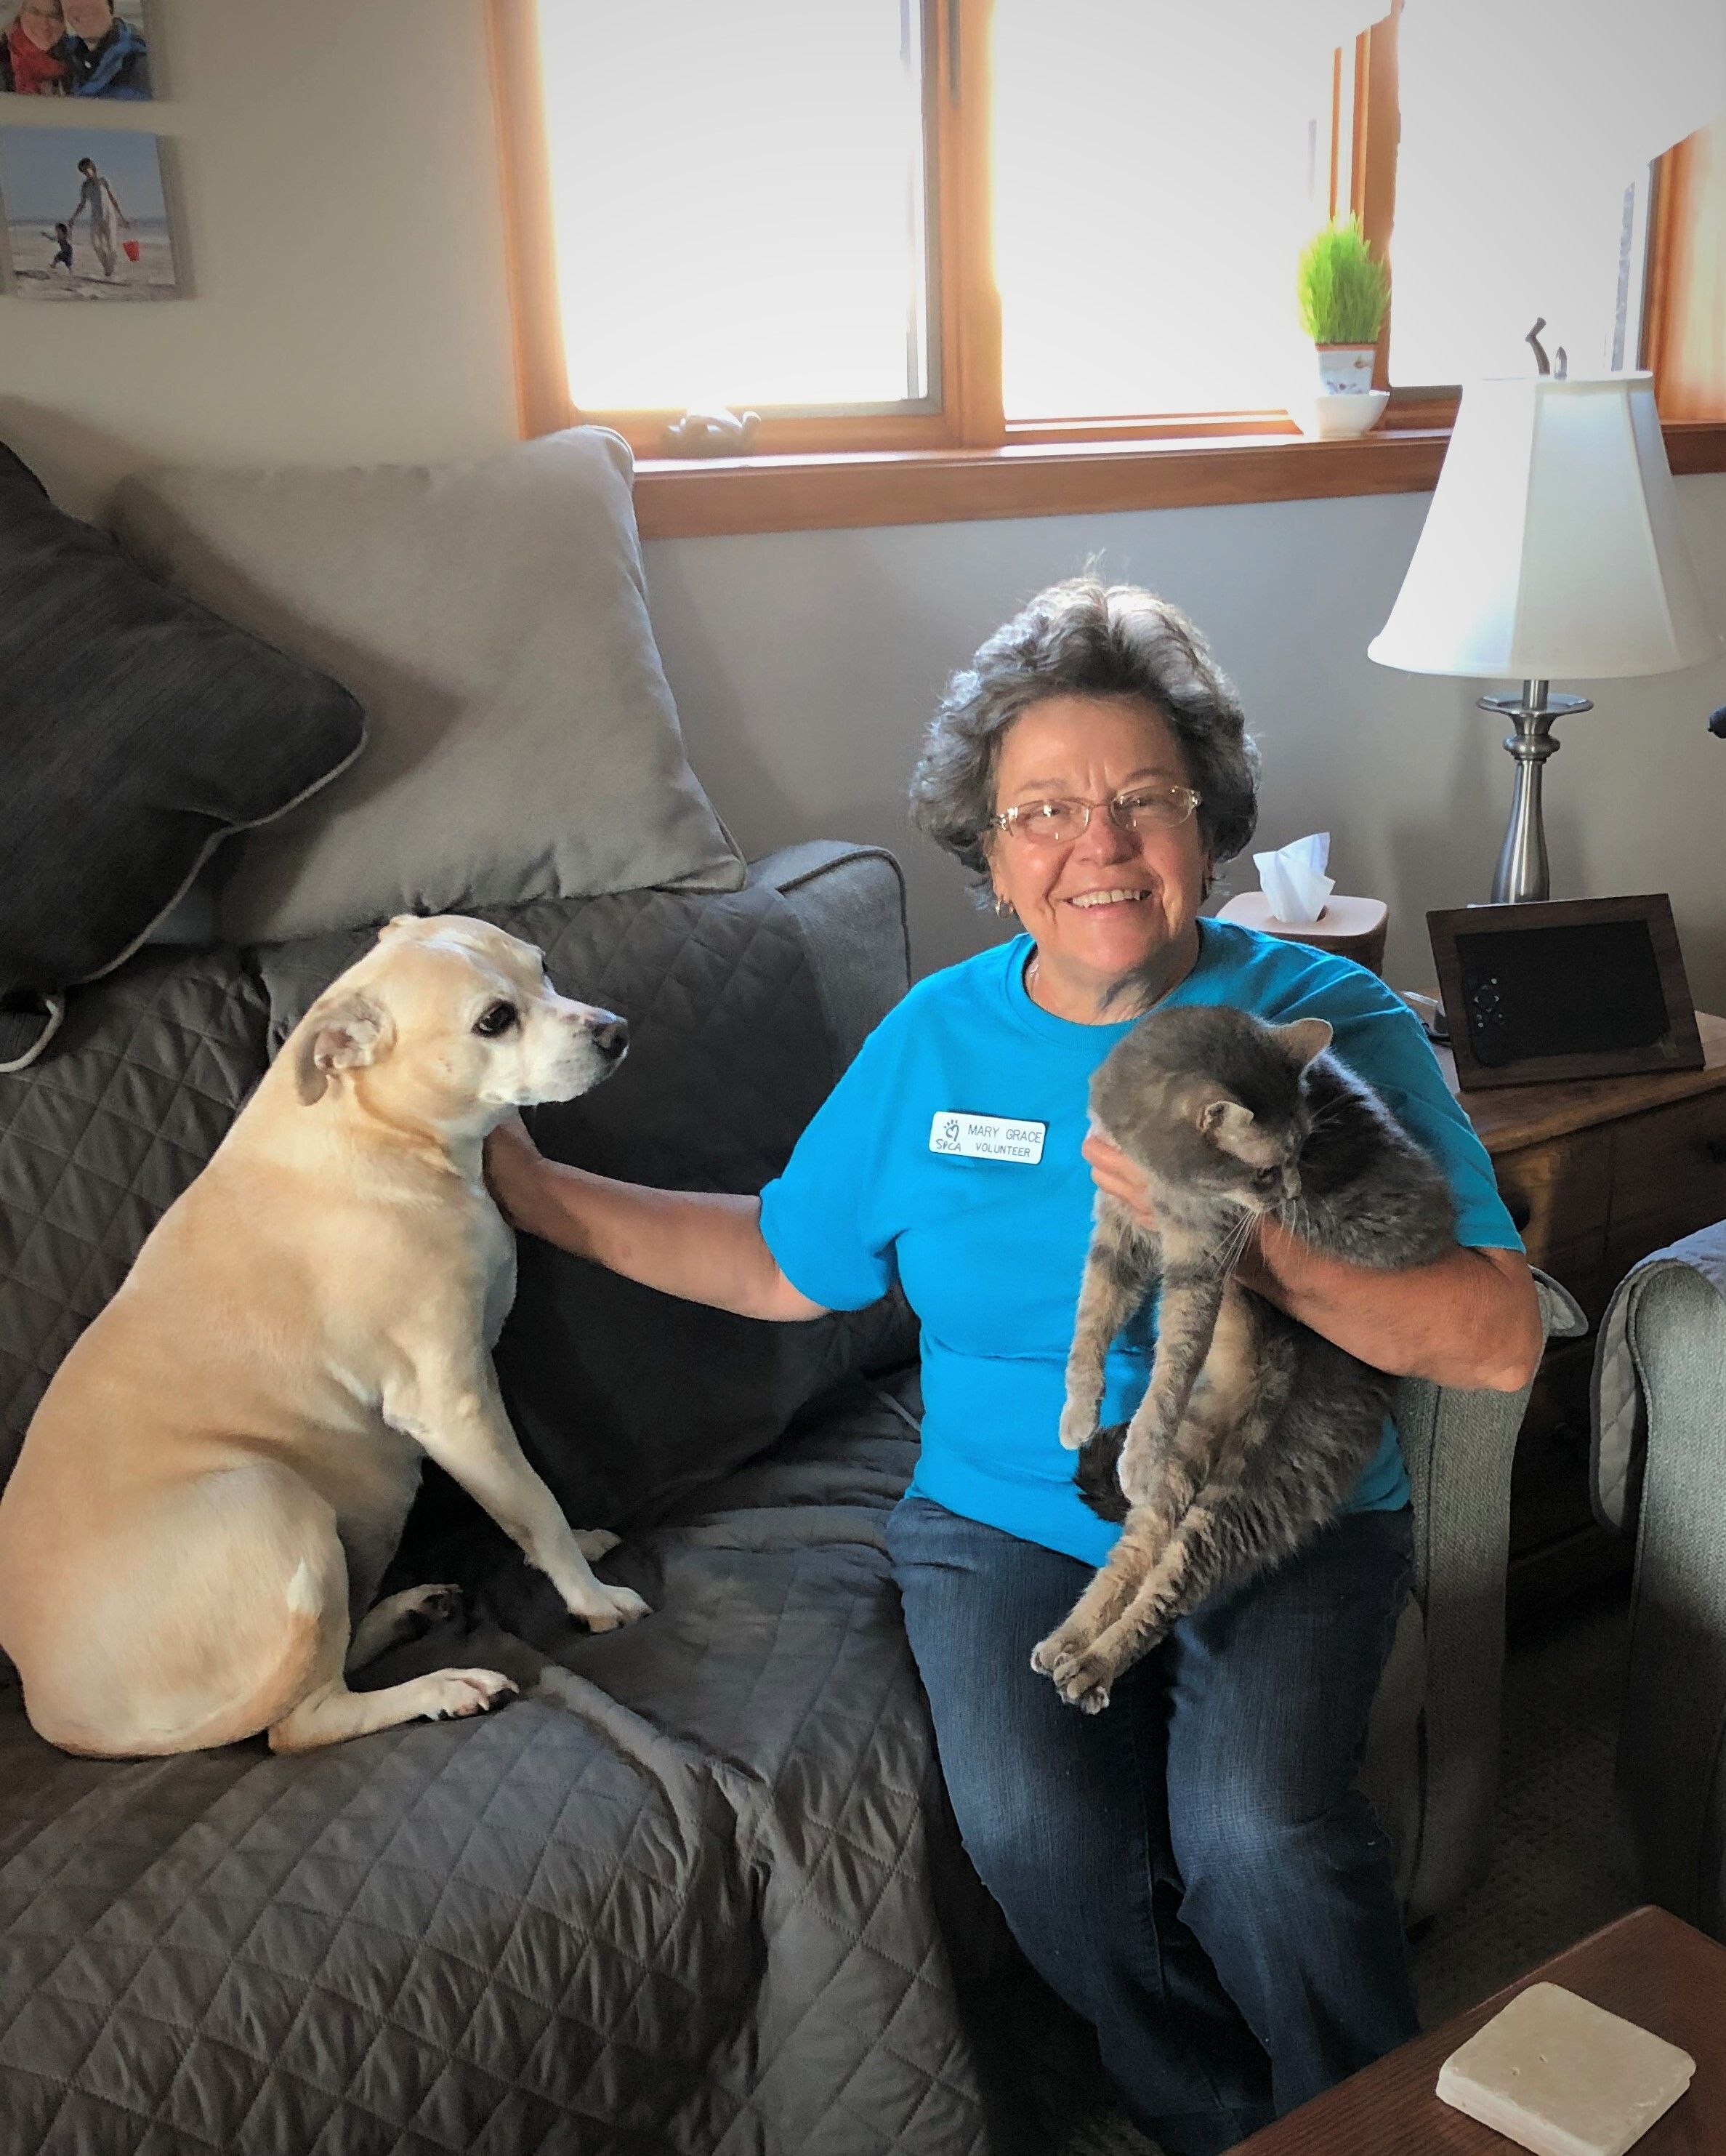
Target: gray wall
[(805, 664)]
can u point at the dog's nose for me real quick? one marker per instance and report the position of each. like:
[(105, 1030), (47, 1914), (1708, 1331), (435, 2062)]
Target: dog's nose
[(611, 1037)]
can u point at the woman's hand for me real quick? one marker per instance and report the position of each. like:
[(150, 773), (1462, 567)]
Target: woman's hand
[(514, 1172), (1118, 1177)]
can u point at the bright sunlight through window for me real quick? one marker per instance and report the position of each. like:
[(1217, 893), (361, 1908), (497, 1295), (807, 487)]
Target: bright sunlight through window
[(1522, 189), (1158, 166), (739, 200)]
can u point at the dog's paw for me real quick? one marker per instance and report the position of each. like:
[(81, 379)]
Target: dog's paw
[(455, 1694), (595, 1542), (618, 1605)]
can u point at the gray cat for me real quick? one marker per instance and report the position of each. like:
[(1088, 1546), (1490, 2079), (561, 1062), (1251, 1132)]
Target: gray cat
[(1253, 1429)]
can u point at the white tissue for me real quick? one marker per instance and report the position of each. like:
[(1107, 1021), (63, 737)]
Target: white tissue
[(1293, 878)]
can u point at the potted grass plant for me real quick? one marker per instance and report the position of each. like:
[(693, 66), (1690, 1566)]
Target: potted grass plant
[(1344, 292)]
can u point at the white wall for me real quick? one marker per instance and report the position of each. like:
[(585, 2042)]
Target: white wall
[(337, 179), (338, 198)]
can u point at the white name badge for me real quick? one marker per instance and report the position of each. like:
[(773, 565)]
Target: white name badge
[(955, 1131)]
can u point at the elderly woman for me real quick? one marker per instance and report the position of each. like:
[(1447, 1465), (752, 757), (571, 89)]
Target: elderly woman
[(1191, 1869)]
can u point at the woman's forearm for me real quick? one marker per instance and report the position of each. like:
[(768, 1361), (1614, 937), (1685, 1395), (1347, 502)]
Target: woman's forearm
[(1471, 1320), (706, 1247)]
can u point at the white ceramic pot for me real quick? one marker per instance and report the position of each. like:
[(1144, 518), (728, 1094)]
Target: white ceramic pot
[(1329, 418), (1345, 370)]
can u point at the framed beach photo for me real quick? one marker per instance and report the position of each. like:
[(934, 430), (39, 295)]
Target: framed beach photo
[(86, 215), (79, 48)]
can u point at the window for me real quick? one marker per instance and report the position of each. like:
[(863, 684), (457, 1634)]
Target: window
[(1525, 188), (1145, 233), (762, 238), (996, 239)]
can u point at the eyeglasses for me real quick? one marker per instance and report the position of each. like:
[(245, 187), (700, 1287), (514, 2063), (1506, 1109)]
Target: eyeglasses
[(1059, 823)]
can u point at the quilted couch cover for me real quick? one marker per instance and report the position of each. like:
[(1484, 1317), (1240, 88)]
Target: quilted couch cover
[(698, 1889)]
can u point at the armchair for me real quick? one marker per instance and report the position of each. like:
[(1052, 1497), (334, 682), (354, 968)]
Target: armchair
[(1431, 1764), (1660, 1474)]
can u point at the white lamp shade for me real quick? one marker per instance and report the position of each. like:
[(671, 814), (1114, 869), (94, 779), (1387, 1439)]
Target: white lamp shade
[(1552, 548)]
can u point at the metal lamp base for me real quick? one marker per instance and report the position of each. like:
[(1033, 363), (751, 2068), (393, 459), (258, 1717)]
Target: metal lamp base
[(1523, 871)]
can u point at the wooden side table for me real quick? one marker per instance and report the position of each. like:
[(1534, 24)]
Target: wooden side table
[(1596, 1172), (1648, 1967)]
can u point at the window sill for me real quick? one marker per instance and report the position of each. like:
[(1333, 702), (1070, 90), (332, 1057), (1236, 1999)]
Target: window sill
[(678, 498)]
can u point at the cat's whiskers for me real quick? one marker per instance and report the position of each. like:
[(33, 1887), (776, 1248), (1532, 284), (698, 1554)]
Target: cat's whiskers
[(1219, 1253), (1235, 1243)]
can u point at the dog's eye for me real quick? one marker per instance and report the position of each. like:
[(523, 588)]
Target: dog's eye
[(496, 1019)]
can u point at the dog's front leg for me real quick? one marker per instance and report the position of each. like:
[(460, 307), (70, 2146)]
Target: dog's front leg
[(460, 1421)]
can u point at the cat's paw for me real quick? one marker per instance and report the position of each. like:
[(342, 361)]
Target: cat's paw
[(1045, 1655), (1066, 1649), (1078, 1427), (1083, 1681), (1140, 1476)]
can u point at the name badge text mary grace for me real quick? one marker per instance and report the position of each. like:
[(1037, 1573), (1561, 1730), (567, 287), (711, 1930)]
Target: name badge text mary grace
[(968, 1137)]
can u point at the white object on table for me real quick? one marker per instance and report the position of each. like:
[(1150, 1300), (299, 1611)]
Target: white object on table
[(1293, 879), (1563, 2077)]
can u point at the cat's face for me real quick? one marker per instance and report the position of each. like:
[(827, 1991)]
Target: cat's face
[(1210, 1103), (1251, 1155)]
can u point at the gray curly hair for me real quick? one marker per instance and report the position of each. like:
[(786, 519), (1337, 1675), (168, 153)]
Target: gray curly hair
[(1086, 639)]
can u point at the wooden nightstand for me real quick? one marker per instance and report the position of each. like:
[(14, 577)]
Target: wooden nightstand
[(1596, 1173)]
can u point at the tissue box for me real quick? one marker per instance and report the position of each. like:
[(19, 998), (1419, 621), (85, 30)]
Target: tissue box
[(1352, 928)]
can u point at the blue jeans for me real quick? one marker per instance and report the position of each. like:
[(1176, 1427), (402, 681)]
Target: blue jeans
[(1193, 1870)]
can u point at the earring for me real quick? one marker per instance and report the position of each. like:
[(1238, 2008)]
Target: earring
[(1000, 904)]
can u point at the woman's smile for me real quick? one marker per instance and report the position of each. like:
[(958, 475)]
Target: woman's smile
[(1118, 897)]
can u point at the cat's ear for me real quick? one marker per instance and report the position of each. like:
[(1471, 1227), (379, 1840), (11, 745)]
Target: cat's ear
[(1302, 1039), (1224, 1123)]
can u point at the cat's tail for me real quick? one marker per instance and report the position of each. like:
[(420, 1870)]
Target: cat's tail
[(1096, 1472)]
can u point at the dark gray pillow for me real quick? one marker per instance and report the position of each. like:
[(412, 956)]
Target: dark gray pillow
[(136, 730)]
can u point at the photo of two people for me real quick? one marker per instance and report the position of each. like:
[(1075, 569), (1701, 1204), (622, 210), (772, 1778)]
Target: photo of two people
[(86, 215), (74, 48)]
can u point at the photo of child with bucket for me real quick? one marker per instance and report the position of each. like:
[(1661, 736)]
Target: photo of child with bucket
[(86, 217)]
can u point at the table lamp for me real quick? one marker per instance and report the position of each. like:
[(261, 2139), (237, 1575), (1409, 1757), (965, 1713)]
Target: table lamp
[(1552, 547)]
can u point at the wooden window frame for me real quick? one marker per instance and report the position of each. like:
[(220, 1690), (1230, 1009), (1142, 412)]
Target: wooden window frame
[(967, 460)]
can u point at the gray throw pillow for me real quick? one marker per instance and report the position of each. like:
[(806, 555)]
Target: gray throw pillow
[(136, 730), (492, 618)]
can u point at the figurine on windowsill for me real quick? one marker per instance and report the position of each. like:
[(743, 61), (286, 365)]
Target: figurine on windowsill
[(713, 433)]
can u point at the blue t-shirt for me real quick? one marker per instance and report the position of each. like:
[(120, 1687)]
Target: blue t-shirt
[(990, 1251)]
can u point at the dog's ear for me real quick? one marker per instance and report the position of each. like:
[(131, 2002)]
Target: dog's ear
[(344, 1034), (397, 925)]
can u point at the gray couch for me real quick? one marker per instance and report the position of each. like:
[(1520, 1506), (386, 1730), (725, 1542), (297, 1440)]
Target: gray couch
[(699, 1889), (1660, 1475)]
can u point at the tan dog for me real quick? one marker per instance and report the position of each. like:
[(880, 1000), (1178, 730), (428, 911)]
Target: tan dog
[(220, 1471)]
